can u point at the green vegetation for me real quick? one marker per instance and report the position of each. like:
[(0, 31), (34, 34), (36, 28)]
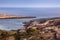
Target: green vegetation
[(6, 34), (33, 34), (30, 34)]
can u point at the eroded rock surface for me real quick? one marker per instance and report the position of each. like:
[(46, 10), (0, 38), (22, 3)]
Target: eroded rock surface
[(49, 26)]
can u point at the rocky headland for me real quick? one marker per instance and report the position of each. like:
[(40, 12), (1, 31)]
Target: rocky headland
[(37, 29), (11, 16)]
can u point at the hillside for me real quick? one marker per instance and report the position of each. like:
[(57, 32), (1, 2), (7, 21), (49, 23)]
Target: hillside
[(37, 29), (47, 28)]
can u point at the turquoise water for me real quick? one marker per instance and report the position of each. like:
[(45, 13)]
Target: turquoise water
[(8, 24)]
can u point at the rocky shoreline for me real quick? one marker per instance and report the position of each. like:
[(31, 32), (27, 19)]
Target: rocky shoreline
[(49, 26), (37, 29)]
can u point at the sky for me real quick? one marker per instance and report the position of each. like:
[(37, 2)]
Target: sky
[(29, 3)]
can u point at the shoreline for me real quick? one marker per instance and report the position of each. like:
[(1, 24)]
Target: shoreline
[(47, 28)]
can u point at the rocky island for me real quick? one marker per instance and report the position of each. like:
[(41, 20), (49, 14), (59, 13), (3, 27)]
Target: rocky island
[(37, 29)]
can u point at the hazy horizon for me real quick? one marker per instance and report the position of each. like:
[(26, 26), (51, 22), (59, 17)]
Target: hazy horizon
[(42, 12)]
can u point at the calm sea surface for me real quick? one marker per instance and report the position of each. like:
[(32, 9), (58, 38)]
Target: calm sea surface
[(8, 24)]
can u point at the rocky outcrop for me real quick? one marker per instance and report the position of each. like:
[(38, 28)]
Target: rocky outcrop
[(38, 29), (49, 26)]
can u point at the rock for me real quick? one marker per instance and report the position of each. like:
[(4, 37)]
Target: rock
[(47, 25)]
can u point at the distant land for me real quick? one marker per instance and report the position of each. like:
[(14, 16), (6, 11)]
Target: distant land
[(11, 16)]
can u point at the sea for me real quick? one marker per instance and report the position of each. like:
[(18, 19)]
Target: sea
[(14, 24)]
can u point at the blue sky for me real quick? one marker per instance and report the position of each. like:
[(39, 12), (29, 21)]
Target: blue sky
[(29, 3)]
